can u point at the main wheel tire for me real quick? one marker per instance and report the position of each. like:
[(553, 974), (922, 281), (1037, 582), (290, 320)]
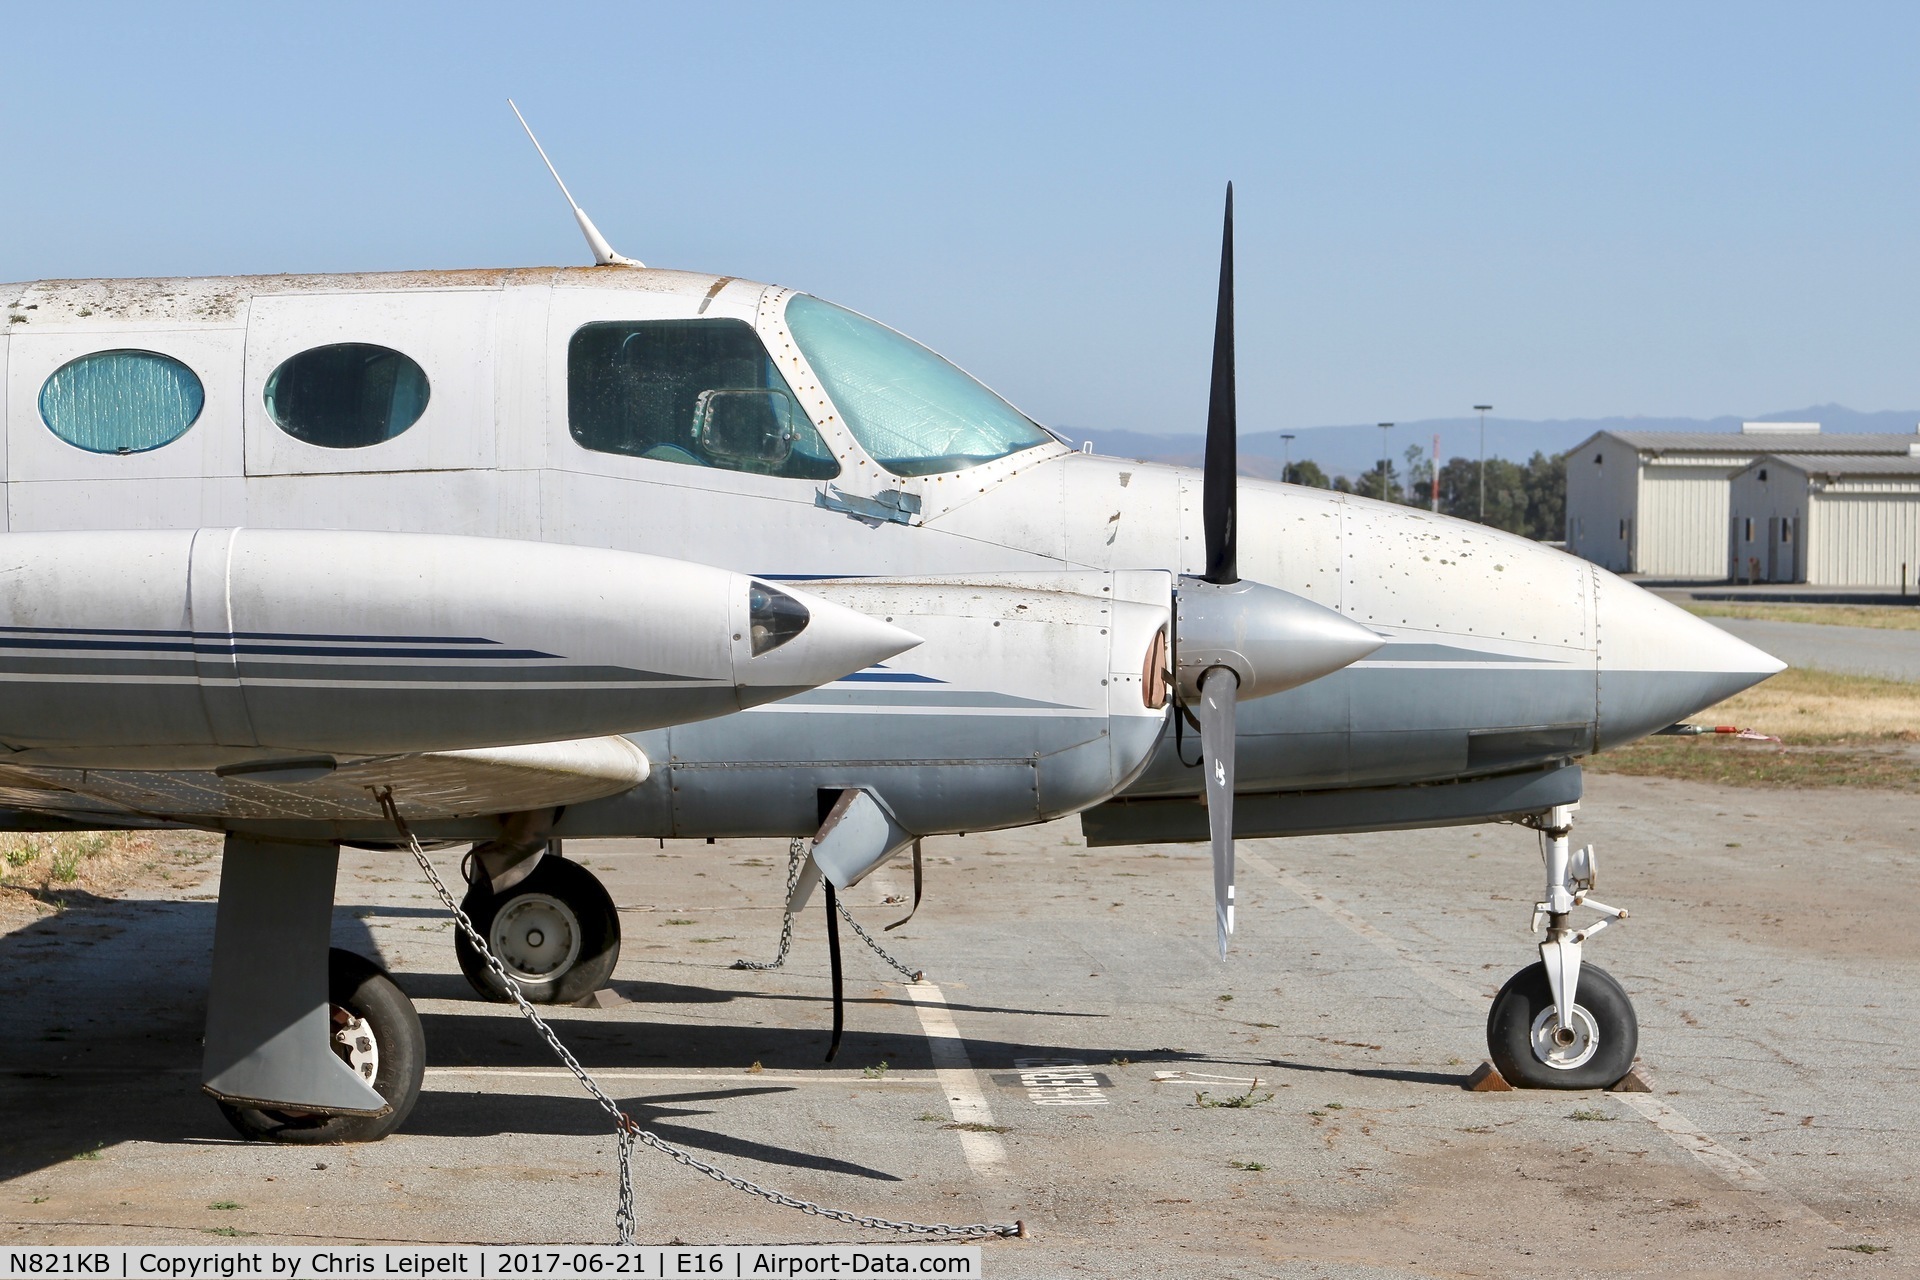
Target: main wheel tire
[(375, 1031), (557, 934), (1522, 1022)]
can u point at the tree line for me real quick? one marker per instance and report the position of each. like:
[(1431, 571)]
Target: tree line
[(1527, 498)]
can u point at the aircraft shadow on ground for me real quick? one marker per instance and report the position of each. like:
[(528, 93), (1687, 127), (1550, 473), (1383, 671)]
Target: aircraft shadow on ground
[(130, 1072), (448, 986), (470, 1115), (503, 1039), (50, 1121), (1450, 1079)]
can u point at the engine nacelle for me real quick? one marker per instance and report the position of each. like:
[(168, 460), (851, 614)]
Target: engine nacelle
[(1034, 695)]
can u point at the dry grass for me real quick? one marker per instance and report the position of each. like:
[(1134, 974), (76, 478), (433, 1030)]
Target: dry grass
[(1808, 707), (42, 868), (1763, 764), (1837, 731), (1886, 617)]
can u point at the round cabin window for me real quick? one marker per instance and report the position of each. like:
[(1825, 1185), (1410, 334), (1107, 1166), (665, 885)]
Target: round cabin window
[(347, 396), (121, 401)]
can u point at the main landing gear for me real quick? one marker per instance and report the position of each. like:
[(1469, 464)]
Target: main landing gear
[(1559, 1024), (376, 1032), (552, 925), (304, 1044)]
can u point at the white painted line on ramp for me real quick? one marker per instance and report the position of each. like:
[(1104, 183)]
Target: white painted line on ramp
[(985, 1153), (1692, 1139), (1681, 1131), (1406, 955), (1197, 1077)]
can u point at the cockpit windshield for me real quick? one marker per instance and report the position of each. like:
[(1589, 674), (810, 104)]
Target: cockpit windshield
[(913, 411)]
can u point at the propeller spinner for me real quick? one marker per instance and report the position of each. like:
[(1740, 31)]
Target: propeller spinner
[(1236, 640)]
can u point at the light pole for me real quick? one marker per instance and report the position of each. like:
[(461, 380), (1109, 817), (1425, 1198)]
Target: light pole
[(1482, 410), (1286, 454), (1434, 472), (1384, 428)]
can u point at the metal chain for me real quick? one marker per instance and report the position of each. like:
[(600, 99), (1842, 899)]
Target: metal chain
[(627, 1130), (796, 852), (911, 975)]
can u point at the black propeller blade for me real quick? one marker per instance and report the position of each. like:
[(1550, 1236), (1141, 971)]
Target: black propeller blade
[(1239, 639), (1219, 687), (1218, 504)]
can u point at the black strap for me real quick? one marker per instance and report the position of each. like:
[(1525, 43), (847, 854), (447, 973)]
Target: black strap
[(1181, 718), (916, 890), (833, 959)]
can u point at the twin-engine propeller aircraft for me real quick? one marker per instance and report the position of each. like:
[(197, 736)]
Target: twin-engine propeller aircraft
[(1377, 667)]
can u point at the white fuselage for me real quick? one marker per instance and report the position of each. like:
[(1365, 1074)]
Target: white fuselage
[(1501, 653)]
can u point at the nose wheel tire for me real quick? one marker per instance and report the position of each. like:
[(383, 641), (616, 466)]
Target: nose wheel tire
[(377, 1033), (1533, 1051), (557, 934)]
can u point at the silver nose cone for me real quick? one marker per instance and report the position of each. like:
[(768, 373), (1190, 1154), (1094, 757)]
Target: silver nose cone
[(795, 640), (1659, 664), (1272, 639)]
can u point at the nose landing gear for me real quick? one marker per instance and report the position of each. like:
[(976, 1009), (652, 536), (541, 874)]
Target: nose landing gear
[(1558, 1024), (1531, 1048)]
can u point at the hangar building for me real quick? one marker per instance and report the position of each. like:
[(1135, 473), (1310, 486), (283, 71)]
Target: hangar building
[(1832, 520), (1657, 502)]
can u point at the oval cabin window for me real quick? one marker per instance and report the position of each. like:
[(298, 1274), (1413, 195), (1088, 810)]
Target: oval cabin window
[(121, 401), (347, 396)]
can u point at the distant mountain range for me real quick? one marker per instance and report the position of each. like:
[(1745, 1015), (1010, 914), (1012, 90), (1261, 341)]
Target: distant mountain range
[(1352, 450)]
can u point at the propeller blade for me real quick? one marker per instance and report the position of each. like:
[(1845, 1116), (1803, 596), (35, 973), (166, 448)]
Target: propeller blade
[(1219, 696), (1218, 504)]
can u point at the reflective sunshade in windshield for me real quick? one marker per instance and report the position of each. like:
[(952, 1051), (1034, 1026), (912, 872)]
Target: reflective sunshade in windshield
[(913, 411)]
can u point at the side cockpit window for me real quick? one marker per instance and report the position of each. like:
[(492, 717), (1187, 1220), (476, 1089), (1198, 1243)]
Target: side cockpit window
[(700, 392), (121, 401)]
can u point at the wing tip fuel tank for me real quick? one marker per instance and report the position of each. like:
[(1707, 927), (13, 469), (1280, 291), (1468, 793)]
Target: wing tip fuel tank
[(235, 643), (836, 641)]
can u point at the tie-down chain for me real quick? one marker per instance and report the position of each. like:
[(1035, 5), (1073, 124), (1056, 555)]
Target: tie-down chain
[(627, 1131)]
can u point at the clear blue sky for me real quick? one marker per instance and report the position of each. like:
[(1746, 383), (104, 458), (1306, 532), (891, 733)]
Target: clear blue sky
[(1664, 209)]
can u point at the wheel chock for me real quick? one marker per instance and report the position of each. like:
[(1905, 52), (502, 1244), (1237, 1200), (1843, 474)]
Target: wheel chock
[(1632, 1082), (1486, 1078), (604, 998)]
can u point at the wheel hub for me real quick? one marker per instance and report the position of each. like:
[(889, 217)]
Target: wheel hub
[(535, 937), (1565, 1048), (354, 1041)]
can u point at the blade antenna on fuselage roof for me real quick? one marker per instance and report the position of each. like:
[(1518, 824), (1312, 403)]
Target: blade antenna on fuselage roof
[(603, 254)]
